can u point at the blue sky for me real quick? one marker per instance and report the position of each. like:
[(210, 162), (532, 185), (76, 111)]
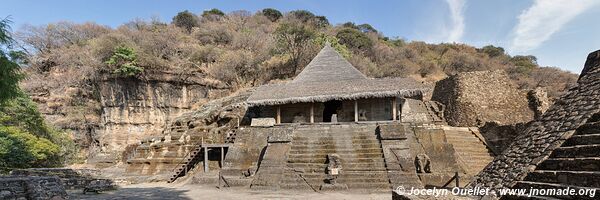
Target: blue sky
[(558, 32)]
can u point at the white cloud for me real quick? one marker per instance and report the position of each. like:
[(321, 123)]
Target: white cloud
[(458, 20), (544, 18)]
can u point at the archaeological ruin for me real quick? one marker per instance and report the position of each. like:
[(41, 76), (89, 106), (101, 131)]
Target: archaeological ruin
[(333, 129), (329, 129)]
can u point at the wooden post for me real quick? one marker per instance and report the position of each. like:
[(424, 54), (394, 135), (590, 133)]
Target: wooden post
[(394, 109), (278, 115), (356, 110), (312, 113), (205, 159), (222, 156), (456, 176)]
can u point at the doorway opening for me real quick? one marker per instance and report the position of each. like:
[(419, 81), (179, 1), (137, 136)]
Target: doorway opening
[(331, 107)]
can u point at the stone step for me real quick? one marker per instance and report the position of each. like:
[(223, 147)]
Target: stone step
[(538, 185), (589, 128), (467, 137), (340, 138), (344, 160), (342, 155), (345, 173), (332, 144), (583, 140), (571, 164), (576, 178), (578, 151), (345, 166), (325, 130), (473, 150), (338, 151)]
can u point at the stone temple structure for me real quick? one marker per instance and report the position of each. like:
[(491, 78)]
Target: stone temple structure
[(558, 151), (330, 128)]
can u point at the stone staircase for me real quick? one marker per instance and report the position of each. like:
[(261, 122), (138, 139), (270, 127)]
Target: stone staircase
[(576, 164), (363, 165), (189, 162), (470, 149)]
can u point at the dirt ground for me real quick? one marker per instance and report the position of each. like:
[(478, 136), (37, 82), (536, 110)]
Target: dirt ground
[(157, 191)]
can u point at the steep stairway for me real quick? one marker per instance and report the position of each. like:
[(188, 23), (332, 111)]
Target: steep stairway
[(575, 164), (471, 150), (363, 165)]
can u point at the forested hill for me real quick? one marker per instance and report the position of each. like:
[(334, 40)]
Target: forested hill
[(63, 64), (245, 49)]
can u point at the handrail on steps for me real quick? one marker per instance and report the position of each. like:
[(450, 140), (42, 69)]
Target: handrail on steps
[(174, 170), (454, 178)]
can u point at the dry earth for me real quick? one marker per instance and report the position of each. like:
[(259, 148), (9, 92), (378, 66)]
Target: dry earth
[(153, 191)]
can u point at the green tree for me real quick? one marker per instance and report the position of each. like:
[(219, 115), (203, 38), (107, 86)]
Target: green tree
[(186, 20), (213, 14), (272, 14), (125, 60), (322, 39), (308, 17), (293, 39), (10, 73), (492, 50), (21, 149), (524, 64), (355, 39), (349, 25), (366, 28)]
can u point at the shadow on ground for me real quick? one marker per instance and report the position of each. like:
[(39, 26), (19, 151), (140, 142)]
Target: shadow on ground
[(150, 193)]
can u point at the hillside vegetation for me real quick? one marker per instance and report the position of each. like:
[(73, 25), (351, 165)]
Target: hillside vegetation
[(240, 49), (25, 139), (243, 49)]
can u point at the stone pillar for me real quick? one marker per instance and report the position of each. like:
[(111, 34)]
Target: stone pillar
[(205, 159), (356, 110), (394, 109), (278, 115), (312, 113)]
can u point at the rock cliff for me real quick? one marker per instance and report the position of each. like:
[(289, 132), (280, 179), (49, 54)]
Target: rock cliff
[(106, 112)]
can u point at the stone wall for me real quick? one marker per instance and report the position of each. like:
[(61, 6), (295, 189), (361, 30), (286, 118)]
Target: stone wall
[(543, 136), (31, 187), (499, 137), (473, 98), (70, 178)]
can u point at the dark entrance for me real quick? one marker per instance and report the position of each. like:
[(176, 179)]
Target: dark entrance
[(331, 108)]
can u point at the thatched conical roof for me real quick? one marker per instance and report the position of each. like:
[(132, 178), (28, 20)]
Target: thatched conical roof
[(328, 66), (331, 77)]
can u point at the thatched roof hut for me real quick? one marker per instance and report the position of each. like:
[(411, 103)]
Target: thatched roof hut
[(331, 77)]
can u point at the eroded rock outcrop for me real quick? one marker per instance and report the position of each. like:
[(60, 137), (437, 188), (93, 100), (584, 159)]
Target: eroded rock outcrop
[(106, 112)]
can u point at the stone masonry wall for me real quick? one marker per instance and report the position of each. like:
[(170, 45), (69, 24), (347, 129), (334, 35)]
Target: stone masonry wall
[(556, 125), (32, 187), (473, 98)]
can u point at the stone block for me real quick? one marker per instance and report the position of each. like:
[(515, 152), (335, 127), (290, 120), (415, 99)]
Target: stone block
[(391, 132), (262, 122), (280, 136)]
